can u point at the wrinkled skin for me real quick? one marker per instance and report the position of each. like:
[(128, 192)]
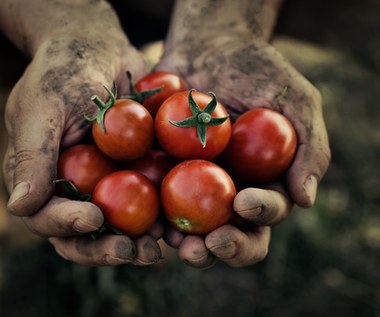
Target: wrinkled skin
[(45, 113), (247, 72)]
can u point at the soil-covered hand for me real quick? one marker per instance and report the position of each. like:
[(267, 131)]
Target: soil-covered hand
[(45, 114), (246, 72)]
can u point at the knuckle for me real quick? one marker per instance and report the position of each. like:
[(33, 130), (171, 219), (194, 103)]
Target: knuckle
[(327, 155), (316, 95), (25, 155), (262, 254)]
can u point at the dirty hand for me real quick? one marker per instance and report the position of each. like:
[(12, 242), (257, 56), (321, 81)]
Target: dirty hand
[(45, 114), (245, 72)]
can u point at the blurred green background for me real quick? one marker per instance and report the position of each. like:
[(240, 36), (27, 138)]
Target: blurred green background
[(322, 262)]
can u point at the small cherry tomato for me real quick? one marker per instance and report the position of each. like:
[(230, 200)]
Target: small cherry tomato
[(162, 85), (193, 125), (154, 165), (128, 200), (262, 146), (197, 196), (84, 165), (123, 129)]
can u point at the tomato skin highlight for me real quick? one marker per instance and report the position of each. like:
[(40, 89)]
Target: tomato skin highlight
[(262, 146), (170, 82), (84, 165), (128, 200), (197, 196), (183, 143), (129, 131)]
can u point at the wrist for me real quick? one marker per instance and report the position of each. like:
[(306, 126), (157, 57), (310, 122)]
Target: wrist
[(29, 24), (206, 19)]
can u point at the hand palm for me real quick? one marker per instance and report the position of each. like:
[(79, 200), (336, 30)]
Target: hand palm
[(245, 74)]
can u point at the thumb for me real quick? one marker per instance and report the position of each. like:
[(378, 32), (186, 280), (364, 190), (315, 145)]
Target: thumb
[(310, 164), (30, 161)]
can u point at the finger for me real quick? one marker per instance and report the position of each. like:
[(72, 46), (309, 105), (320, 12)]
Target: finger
[(157, 229), (107, 250), (311, 162), (136, 64), (262, 206), (31, 156), (238, 248), (148, 251), (194, 252), (173, 237), (61, 217), (7, 168)]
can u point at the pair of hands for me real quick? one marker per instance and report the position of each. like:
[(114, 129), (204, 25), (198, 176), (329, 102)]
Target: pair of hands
[(45, 113)]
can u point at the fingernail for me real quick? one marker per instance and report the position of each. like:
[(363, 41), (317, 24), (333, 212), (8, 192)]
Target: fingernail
[(123, 253), (310, 187), (19, 192), (152, 254), (251, 214), (202, 263), (200, 260), (82, 226), (224, 251), (112, 260)]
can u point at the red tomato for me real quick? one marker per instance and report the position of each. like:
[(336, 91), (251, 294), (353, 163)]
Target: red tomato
[(84, 165), (262, 146), (128, 200), (128, 130), (197, 196), (155, 165), (170, 83), (187, 142)]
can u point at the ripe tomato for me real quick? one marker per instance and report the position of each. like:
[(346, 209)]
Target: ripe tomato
[(192, 125), (84, 165), (123, 129), (155, 165), (171, 83), (197, 196), (262, 146), (128, 200)]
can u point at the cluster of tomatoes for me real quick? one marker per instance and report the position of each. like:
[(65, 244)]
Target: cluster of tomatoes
[(170, 149)]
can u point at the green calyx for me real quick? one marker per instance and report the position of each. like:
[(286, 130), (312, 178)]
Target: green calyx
[(105, 229), (71, 191), (137, 95), (200, 119), (103, 106)]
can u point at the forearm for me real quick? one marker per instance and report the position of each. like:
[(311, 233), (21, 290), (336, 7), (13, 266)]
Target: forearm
[(207, 18), (29, 23)]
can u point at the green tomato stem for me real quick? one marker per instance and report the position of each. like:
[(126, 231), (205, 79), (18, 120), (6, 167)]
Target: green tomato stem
[(204, 117), (103, 106), (72, 191), (200, 119), (137, 95)]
